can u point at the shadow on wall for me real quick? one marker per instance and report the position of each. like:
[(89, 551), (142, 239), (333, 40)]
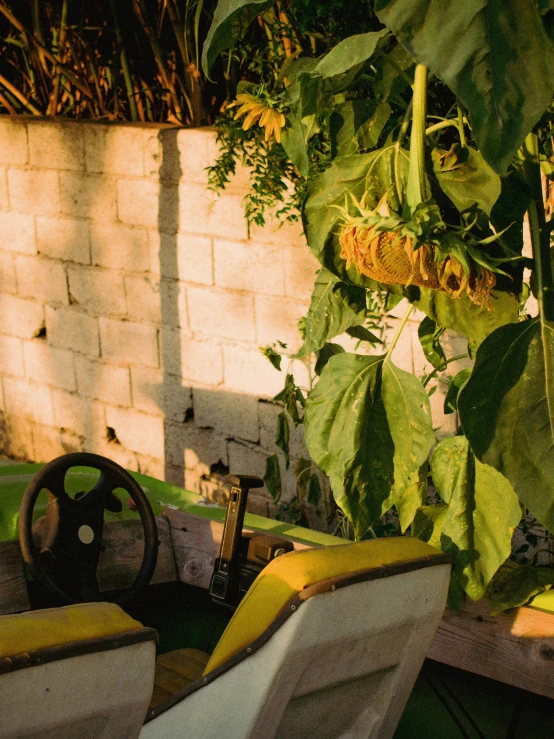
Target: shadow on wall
[(103, 350)]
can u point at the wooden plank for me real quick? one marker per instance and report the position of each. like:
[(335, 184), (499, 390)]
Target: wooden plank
[(515, 647), (124, 545), (196, 544), (13, 589)]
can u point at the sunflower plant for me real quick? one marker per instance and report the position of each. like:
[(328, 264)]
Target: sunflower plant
[(420, 153)]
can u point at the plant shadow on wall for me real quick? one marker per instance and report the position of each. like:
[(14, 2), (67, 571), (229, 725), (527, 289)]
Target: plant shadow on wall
[(415, 173)]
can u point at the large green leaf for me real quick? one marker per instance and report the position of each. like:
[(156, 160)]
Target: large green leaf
[(355, 175), (357, 124), (515, 584), (482, 512), (368, 428), (294, 139), (349, 52), (335, 307), (463, 316), (497, 56), (507, 411), (230, 21), (466, 178)]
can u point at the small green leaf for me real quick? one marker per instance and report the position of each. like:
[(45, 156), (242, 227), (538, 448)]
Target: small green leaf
[(302, 474), (458, 381), (362, 334), (429, 338), (272, 477), (466, 178), (514, 585), (314, 490), (291, 395), (507, 411), (272, 355), (463, 316), (282, 436), (349, 52), (230, 20), (335, 307), (482, 512), (324, 355), (412, 498), (357, 124)]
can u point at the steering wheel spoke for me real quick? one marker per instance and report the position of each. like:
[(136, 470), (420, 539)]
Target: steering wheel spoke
[(70, 537)]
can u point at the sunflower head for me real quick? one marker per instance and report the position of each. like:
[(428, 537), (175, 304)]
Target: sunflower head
[(259, 107)]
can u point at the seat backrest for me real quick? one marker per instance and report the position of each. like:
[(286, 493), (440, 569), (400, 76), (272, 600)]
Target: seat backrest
[(327, 643), (80, 671)]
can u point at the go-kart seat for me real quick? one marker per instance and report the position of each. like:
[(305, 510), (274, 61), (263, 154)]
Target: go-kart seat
[(81, 671), (327, 643)]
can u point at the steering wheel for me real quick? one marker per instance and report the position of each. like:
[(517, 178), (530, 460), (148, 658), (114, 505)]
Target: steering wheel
[(71, 537)]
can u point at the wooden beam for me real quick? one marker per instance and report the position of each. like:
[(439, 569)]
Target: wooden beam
[(515, 647), (13, 589)]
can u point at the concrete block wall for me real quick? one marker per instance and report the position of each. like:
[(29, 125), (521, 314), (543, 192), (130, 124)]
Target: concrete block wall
[(133, 302)]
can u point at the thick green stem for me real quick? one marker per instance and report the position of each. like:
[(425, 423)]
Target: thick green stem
[(461, 125), (443, 367), (540, 234), (418, 189)]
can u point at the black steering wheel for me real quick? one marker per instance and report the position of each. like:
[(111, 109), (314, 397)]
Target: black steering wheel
[(66, 561)]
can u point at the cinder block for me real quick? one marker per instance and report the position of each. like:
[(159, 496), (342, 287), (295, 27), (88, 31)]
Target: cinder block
[(114, 149), (194, 209), (69, 328), (13, 141), (185, 155), (197, 361), (198, 448), (137, 431), (152, 466), (42, 279), (16, 438), (17, 232), (11, 356), (34, 191), (229, 413), (159, 394), (147, 390), (278, 320), (267, 413), (72, 412), (248, 266), (247, 371), (97, 290), (445, 424), (58, 145), (62, 238), (172, 302), (185, 257), (402, 356), (226, 216), (7, 273), (88, 196), (300, 272), (152, 154), (118, 247), (51, 366), (240, 181), (4, 197), (50, 443), (143, 299), (221, 313), (139, 203), (28, 399), (246, 459), (277, 231), (126, 342), (103, 381), (23, 318)]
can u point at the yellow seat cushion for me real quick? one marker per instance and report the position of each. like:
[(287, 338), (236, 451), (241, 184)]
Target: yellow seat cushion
[(54, 627), (174, 671), (288, 575)]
